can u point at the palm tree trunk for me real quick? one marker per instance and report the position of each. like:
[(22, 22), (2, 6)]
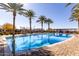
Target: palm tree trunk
[(78, 25), (30, 25), (48, 26), (13, 41), (30, 32), (42, 27)]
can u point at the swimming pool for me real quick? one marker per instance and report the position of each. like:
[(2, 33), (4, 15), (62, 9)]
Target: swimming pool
[(25, 42)]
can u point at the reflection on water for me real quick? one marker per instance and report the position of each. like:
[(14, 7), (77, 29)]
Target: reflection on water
[(35, 41)]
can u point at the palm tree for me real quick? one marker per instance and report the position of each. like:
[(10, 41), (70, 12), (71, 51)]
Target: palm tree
[(14, 8), (30, 14), (75, 13), (75, 16), (41, 20), (48, 21)]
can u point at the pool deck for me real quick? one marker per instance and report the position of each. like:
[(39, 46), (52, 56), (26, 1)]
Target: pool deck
[(69, 47)]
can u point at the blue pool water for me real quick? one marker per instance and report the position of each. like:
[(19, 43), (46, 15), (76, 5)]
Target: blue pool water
[(26, 42)]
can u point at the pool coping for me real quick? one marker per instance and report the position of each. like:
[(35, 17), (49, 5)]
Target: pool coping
[(60, 42)]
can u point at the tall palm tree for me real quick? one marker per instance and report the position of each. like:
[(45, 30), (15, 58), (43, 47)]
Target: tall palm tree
[(41, 20), (75, 16), (75, 12), (48, 21), (30, 14), (14, 8)]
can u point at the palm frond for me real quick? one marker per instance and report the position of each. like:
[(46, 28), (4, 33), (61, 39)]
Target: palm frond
[(38, 21), (75, 7), (68, 4), (48, 21), (10, 7), (71, 18), (28, 13), (4, 6)]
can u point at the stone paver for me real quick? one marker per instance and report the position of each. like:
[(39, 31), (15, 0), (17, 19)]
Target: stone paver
[(67, 48)]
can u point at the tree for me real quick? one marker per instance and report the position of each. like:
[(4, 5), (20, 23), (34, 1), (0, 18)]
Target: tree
[(7, 26), (41, 20), (75, 16), (14, 8), (48, 21), (75, 13), (30, 14)]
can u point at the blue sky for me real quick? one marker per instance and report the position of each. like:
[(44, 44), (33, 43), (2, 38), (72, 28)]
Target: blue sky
[(56, 11)]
